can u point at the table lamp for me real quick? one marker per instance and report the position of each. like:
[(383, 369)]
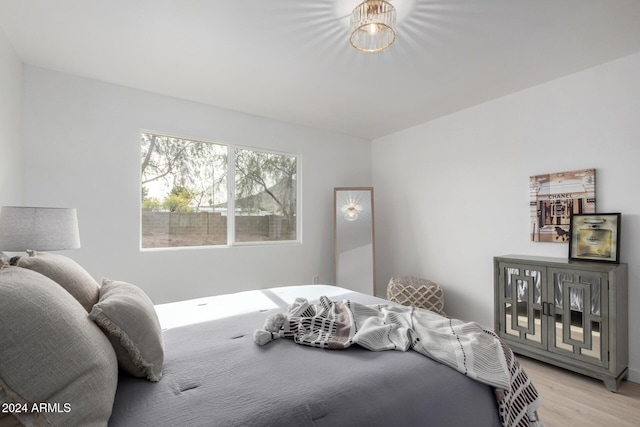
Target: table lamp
[(25, 228)]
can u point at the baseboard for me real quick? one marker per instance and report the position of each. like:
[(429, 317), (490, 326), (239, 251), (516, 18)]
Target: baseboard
[(634, 375)]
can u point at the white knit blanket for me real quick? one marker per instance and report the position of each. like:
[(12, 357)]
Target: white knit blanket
[(464, 346)]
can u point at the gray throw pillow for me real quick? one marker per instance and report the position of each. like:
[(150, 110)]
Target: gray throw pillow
[(126, 314), (56, 366), (65, 272)]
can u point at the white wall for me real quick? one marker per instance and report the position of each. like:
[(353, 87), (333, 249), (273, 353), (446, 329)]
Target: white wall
[(10, 124), (82, 149), (461, 184)]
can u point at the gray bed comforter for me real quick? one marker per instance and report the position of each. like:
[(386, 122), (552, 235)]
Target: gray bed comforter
[(214, 375)]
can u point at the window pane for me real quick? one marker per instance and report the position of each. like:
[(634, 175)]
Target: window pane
[(266, 196), (184, 192)]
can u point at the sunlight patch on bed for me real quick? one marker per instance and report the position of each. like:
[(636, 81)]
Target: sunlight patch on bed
[(182, 313)]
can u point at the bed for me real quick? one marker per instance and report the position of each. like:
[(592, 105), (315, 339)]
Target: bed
[(212, 372)]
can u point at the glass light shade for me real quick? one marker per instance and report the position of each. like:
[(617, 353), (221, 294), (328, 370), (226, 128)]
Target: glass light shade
[(373, 25), (40, 229), (351, 213)]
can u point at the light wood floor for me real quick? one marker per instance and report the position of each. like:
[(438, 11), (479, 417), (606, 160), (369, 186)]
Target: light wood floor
[(570, 399)]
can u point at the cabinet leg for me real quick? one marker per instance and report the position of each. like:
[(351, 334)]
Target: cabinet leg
[(612, 383)]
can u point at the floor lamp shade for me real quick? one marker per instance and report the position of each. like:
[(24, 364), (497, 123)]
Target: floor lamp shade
[(41, 229)]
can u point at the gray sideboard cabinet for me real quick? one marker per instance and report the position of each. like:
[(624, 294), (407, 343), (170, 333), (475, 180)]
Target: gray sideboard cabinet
[(571, 314)]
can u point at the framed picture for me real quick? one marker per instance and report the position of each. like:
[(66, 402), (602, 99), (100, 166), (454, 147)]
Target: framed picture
[(554, 197), (595, 237)]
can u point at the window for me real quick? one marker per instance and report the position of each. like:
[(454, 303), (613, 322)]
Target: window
[(187, 196), (265, 196)]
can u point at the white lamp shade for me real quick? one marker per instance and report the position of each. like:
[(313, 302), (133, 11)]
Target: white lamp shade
[(41, 229)]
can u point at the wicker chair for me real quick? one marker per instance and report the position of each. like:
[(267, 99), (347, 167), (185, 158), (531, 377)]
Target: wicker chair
[(416, 292)]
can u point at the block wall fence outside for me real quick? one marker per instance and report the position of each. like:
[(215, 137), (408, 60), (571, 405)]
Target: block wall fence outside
[(210, 223)]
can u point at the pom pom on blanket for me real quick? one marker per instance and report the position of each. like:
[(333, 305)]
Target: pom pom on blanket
[(261, 337), (271, 329), (274, 322)]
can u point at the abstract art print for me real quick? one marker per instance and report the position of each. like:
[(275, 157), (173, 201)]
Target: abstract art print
[(554, 197)]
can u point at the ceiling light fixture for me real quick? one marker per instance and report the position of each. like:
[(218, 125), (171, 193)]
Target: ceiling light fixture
[(373, 25)]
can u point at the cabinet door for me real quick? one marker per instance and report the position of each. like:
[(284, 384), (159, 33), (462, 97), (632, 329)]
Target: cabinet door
[(521, 294), (578, 315)]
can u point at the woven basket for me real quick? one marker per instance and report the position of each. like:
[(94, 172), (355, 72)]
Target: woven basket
[(416, 292)]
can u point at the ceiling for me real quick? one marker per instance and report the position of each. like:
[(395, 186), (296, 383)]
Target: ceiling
[(291, 60)]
